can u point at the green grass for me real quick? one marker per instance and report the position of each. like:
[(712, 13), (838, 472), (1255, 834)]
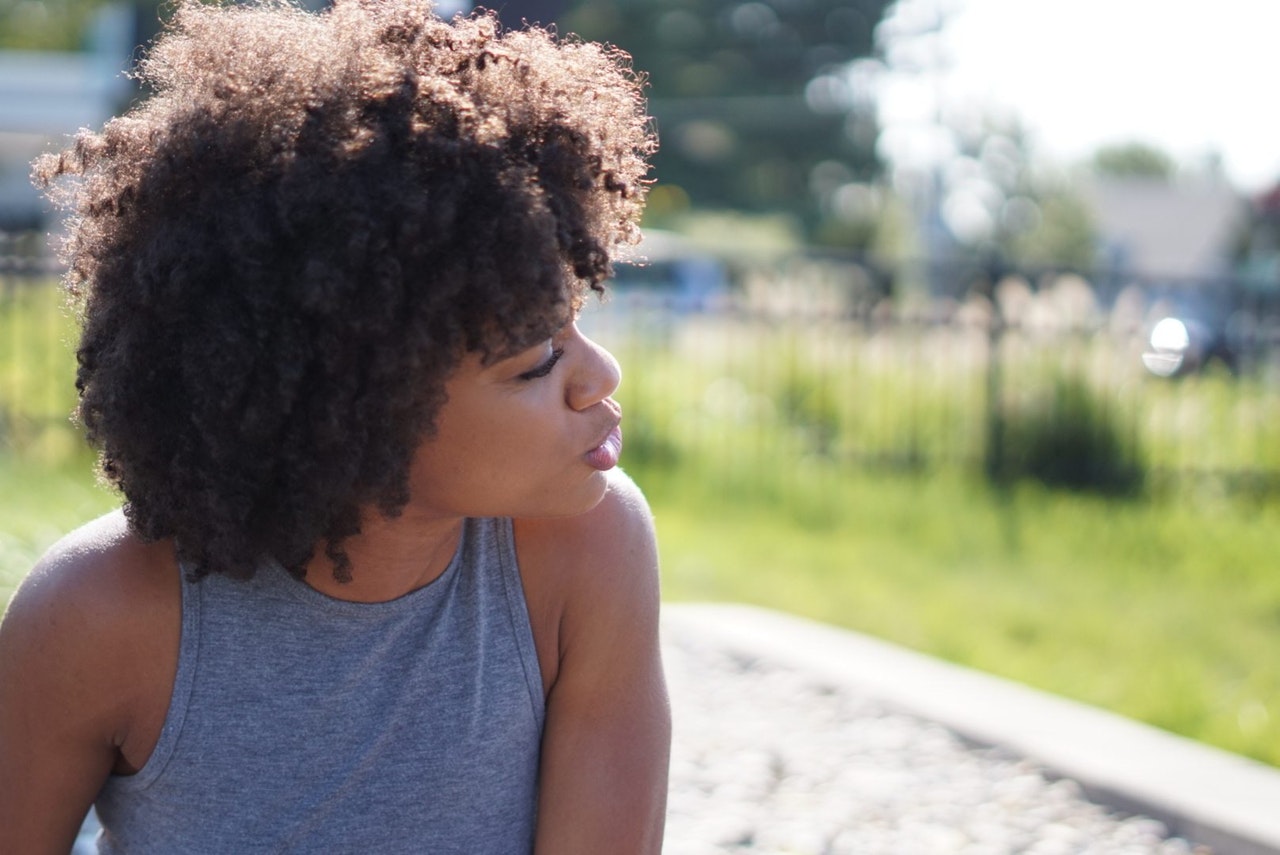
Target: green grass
[(833, 472), (1159, 611), (46, 478), (917, 397), (37, 365)]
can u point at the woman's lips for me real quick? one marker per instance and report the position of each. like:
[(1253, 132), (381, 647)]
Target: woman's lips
[(605, 455)]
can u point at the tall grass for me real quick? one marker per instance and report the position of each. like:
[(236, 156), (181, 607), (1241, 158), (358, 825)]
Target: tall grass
[(37, 367), (833, 468), (1155, 609), (47, 485), (921, 397)]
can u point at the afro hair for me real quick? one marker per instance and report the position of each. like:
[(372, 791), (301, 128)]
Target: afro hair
[(281, 254)]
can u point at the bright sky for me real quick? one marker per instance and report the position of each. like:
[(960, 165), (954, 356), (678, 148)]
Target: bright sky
[(1189, 77)]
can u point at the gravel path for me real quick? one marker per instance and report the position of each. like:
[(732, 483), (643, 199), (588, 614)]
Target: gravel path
[(771, 760)]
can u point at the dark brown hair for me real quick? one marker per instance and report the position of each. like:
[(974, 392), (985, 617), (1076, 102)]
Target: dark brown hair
[(281, 255)]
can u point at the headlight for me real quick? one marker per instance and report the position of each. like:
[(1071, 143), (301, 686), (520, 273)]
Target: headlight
[(1170, 340), (1171, 335)]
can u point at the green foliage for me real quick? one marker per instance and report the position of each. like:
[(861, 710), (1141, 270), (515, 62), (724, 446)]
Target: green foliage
[(648, 445), (1133, 160), (1068, 436), (714, 48), (728, 87), (1078, 410), (808, 403), (1035, 216), (830, 469), (49, 25), (68, 25), (1064, 234), (37, 367), (58, 492)]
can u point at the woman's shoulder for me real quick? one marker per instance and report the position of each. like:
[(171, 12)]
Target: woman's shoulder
[(101, 604), (590, 575), (606, 546), (87, 649), (607, 735), (100, 568)]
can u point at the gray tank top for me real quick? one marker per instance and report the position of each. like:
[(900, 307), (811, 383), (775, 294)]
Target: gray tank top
[(303, 723)]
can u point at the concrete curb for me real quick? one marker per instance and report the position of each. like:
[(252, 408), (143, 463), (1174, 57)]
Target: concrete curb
[(1202, 794)]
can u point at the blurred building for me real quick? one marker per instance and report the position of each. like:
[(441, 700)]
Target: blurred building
[(45, 97), (1177, 229)]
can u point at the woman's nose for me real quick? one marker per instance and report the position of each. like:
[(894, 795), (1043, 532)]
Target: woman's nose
[(596, 375)]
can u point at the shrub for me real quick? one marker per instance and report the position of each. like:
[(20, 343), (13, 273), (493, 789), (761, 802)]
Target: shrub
[(1068, 437)]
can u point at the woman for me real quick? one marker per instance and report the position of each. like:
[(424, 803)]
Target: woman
[(376, 585)]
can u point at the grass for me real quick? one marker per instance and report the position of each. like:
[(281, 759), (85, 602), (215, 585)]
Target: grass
[(919, 397), (36, 361), (45, 472), (1155, 610), (832, 471)]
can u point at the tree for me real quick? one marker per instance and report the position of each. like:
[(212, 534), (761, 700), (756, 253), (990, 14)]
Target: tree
[(1063, 233), (67, 25), (995, 203), (751, 99), (52, 25), (1133, 160)]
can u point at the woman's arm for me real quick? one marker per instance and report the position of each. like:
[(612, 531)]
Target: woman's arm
[(74, 644), (606, 744)]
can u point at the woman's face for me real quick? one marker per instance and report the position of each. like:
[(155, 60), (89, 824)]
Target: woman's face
[(530, 435)]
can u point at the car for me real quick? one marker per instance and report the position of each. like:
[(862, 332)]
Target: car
[(1196, 329)]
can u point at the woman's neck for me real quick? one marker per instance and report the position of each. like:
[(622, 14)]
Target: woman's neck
[(389, 557)]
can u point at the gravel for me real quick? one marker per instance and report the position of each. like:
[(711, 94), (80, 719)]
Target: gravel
[(769, 759)]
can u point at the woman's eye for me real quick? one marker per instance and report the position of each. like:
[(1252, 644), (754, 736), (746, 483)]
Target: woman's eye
[(545, 368)]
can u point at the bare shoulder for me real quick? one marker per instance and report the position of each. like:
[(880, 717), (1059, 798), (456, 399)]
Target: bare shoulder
[(606, 553), (94, 628), (592, 590), (93, 574), (590, 574), (88, 646)]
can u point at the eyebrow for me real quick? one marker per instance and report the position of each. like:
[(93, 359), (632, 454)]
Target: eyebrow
[(520, 362), (494, 356)]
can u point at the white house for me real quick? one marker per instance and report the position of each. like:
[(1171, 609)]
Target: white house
[(1180, 229)]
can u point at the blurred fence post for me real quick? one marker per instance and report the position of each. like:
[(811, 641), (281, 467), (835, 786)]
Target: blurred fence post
[(994, 454)]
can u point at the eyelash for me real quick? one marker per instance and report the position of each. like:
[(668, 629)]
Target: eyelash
[(545, 368)]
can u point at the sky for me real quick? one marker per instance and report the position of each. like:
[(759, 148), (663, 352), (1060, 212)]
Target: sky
[(1191, 78)]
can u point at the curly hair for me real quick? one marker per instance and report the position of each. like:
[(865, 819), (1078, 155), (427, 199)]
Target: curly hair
[(281, 255)]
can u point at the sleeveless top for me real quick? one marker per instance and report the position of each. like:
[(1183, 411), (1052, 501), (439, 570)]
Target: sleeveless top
[(304, 723)]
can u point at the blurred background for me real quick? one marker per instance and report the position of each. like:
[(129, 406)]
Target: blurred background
[(956, 323)]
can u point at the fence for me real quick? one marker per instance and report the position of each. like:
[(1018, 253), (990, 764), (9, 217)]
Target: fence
[(816, 366), (36, 343)]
